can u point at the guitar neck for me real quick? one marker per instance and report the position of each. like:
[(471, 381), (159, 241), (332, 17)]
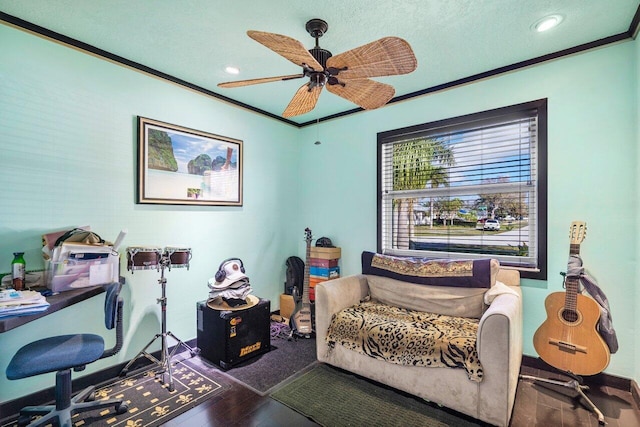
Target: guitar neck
[(574, 249), (305, 284), (572, 284)]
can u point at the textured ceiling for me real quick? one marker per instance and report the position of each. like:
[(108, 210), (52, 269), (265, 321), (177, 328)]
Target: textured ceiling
[(194, 40)]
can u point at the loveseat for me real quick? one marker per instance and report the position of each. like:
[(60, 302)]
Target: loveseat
[(477, 292)]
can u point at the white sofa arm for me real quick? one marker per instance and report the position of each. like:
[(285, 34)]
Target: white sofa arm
[(335, 295), (509, 307), (500, 346)]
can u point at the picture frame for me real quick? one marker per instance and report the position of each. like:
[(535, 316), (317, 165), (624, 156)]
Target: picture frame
[(182, 166)]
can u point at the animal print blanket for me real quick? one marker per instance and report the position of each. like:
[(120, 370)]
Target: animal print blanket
[(407, 337)]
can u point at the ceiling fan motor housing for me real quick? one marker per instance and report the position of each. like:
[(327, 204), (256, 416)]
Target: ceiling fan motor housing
[(320, 55)]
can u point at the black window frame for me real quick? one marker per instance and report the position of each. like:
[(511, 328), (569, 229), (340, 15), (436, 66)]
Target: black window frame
[(540, 106)]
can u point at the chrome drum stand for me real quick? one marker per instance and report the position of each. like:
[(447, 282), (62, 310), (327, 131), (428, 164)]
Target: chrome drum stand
[(164, 363)]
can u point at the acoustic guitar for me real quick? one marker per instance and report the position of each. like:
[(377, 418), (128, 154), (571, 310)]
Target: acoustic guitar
[(301, 322), (568, 340)]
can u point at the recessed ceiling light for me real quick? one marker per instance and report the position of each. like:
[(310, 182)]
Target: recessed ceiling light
[(547, 23), (232, 70)]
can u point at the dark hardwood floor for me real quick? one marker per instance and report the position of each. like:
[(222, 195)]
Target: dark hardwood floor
[(538, 405), (534, 406), (239, 406)]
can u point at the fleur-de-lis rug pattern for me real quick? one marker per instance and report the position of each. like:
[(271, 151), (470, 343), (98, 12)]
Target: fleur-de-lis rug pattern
[(149, 399)]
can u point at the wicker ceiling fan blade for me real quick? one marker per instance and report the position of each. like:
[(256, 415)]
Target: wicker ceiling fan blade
[(287, 47), (303, 101), (366, 93), (388, 56), (259, 81)]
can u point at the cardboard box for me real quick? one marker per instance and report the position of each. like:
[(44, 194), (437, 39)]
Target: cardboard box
[(325, 253), (326, 263), (329, 273), (313, 281), (286, 305)]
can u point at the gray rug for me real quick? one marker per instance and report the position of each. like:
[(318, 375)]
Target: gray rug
[(334, 398), (286, 359)]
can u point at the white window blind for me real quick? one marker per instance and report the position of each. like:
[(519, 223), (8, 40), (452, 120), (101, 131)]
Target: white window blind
[(468, 187)]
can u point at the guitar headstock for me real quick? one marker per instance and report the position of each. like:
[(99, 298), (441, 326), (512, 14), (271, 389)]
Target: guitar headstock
[(577, 232), (307, 235)]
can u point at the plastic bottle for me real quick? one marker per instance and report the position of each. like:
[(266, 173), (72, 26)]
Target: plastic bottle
[(18, 270)]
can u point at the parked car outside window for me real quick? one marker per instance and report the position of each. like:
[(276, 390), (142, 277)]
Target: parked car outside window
[(492, 224)]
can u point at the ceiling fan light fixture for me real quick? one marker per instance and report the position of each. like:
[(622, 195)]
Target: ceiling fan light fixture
[(232, 70), (547, 23)]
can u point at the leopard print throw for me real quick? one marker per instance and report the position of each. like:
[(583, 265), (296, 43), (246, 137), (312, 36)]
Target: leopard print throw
[(408, 337)]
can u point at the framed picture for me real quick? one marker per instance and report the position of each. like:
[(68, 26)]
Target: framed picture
[(182, 166)]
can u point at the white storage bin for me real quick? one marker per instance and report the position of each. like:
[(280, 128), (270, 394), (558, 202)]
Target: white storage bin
[(82, 268)]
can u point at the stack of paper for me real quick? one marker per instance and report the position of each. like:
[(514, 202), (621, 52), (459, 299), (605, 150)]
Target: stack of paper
[(21, 303)]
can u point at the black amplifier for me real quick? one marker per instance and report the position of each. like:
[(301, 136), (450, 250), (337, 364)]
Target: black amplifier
[(229, 337)]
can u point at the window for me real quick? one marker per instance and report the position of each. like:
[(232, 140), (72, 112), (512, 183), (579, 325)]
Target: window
[(473, 186)]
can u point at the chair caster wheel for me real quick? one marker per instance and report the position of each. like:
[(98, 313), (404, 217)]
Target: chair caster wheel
[(91, 397), (122, 408), (24, 420), (123, 373)]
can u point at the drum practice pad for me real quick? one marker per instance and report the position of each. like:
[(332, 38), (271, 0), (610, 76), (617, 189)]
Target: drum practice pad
[(143, 258), (179, 257)]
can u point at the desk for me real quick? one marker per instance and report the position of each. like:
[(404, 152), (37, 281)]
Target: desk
[(58, 302)]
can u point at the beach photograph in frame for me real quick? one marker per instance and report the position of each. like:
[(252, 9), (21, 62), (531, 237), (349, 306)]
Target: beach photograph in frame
[(182, 166)]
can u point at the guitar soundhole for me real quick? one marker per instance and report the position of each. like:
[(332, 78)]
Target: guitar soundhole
[(570, 316)]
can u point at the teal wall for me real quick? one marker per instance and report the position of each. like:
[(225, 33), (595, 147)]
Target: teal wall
[(636, 44), (593, 158), (68, 158), (67, 133)]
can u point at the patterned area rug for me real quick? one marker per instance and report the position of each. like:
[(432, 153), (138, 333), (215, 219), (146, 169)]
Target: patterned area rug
[(150, 401), (334, 398)]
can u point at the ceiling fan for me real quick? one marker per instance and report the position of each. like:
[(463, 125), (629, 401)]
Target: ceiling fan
[(346, 75)]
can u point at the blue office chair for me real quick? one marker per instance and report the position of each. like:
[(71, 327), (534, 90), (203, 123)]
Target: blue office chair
[(62, 353)]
